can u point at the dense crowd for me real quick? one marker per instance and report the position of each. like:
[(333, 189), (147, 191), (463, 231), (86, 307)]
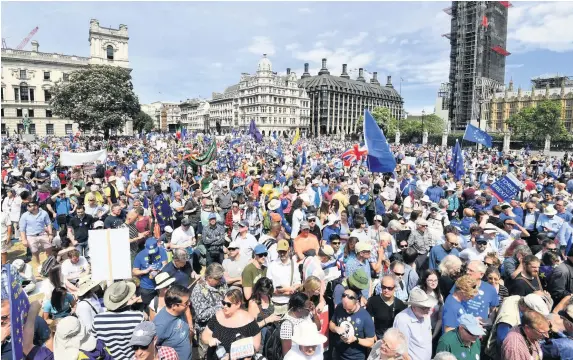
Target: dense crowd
[(284, 250)]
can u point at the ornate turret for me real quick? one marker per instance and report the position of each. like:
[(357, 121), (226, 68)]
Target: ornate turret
[(511, 85), (389, 81)]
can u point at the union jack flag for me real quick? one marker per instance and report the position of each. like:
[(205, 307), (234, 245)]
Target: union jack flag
[(355, 153)]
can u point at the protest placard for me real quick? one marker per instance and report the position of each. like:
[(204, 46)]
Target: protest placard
[(110, 255), (73, 159), (409, 160), (506, 188), (242, 348)]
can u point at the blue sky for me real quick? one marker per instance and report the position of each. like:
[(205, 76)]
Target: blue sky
[(181, 50)]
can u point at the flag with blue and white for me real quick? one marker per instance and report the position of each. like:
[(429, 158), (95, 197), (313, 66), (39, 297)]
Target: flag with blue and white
[(477, 135)]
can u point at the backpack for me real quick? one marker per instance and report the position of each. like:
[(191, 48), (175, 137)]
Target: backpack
[(269, 242), (47, 265), (267, 223), (272, 348)]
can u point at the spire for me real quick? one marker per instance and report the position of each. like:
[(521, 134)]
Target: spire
[(305, 74), (344, 72), (324, 70)]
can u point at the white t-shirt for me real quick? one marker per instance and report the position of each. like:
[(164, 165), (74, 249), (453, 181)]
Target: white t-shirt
[(246, 245), (74, 271), (87, 309), (180, 237)]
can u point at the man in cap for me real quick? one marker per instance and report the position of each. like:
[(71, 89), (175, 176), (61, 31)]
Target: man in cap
[(285, 276), (183, 237), (548, 222), (463, 342), (146, 266), (144, 344), (213, 238), (254, 270), (314, 226), (305, 241), (234, 265), (111, 192), (415, 324)]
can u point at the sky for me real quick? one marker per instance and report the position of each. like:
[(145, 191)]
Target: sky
[(181, 50)]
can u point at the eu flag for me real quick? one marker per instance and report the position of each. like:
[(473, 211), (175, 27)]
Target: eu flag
[(477, 135), (254, 132), (457, 162), (380, 158)]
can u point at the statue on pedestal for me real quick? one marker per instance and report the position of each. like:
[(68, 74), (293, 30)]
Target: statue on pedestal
[(26, 122), (425, 138)]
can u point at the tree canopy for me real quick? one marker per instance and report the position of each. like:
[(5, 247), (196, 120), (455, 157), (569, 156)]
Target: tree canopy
[(537, 122), (416, 125), (99, 98), (142, 122)]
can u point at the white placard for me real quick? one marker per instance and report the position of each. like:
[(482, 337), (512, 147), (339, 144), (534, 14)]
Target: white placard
[(110, 255), (72, 159), (409, 160), (242, 348)]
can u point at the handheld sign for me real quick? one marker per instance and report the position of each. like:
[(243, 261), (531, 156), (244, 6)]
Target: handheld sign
[(110, 255), (242, 348), (506, 188)]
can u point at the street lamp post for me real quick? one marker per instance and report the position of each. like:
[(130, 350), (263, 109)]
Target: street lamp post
[(423, 127)]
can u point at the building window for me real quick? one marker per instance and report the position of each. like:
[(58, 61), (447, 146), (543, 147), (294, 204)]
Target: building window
[(24, 93), (47, 95), (568, 103), (30, 112), (16, 94), (32, 129), (48, 113), (109, 52), (68, 128), (19, 112), (49, 129), (2, 113), (46, 75), (66, 77), (2, 94), (22, 74)]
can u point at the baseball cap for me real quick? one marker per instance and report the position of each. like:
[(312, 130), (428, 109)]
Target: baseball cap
[(151, 245), (536, 303), (143, 334), (282, 245), (260, 249), (233, 245), (212, 216), (243, 225), (304, 225), (363, 246), (471, 324), (168, 229), (490, 228), (421, 222), (378, 218), (326, 250), (481, 239)]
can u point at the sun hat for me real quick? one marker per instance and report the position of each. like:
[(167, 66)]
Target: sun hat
[(168, 229), (118, 294), (490, 228), (260, 249), (71, 337), (282, 245), (378, 218), (143, 334), (421, 222), (86, 285), (358, 280), (306, 334), (363, 246), (163, 280), (419, 298), (233, 245), (550, 210), (536, 303), (98, 224), (326, 250), (471, 324), (151, 245), (274, 204)]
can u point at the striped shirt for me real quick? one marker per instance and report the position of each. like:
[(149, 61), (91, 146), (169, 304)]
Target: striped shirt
[(115, 330)]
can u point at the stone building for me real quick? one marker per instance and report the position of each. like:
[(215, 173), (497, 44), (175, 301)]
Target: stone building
[(337, 102), (508, 102), (28, 77), (195, 115)]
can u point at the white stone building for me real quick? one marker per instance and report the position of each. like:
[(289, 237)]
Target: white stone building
[(29, 76), (275, 102), (195, 114)]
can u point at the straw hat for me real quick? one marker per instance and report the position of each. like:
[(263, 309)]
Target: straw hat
[(305, 334), (418, 297), (86, 285), (163, 280)]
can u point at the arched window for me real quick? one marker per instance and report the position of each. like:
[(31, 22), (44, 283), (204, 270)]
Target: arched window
[(110, 52)]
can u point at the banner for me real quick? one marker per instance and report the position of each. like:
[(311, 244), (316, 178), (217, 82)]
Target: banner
[(409, 160), (19, 305), (72, 159), (506, 188), (111, 264)]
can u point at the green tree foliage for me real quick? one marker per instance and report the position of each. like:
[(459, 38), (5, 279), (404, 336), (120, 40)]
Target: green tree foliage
[(537, 122), (99, 98), (384, 119), (142, 122), (416, 125)]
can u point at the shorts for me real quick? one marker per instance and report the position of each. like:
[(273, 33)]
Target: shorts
[(5, 245), (35, 242)]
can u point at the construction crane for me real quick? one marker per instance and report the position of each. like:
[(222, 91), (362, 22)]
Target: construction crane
[(27, 39)]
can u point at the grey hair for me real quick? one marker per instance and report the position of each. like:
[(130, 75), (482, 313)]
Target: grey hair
[(443, 203), (444, 355), (391, 276), (180, 255), (523, 250), (214, 271), (449, 264), (396, 334), (480, 265)]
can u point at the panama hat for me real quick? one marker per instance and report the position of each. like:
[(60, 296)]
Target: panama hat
[(274, 204), (306, 334), (419, 298), (163, 280), (118, 294), (550, 210), (86, 284)]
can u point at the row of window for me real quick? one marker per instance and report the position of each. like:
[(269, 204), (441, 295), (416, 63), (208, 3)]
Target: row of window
[(47, 75), (25, 93), (49, 128), (20, 113)]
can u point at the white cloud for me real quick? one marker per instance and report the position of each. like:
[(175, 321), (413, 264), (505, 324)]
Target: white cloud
[(357, 40), (540, 26), (304, 10), (392, 41), (328, 34), (403, 42), (262, 45), (217, 65), (417, 110), (319, 44), (382, 39), (292, 46)]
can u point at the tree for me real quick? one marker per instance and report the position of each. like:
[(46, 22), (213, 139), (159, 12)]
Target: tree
[(99, 98), (537, 122), (522, 124), (384, 120), (416, 125), (142, 122)]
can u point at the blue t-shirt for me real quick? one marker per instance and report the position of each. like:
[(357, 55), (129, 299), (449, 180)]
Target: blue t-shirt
[(452, 310), (173, 331), (363, 328), (485, 299), (438, 253), (143, 260), (66, 309)]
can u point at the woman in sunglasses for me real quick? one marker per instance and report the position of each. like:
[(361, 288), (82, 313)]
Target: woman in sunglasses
[(230, 323)]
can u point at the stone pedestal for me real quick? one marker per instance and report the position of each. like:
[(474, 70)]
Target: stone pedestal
[(506, 141), (28, 137), (397, 138), (547, 147), (445, 139), (425, 138)]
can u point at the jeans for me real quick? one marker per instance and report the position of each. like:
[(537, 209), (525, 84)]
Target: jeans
[(84, 249), (147, 296), (212, 257)]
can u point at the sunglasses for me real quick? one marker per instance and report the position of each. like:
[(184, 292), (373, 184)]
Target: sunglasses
[(481, 242), (390, 288), (137, 347), (335, 243), (233, 249), (454, 244), (403, 246), (312, 220), (350, 297), (398, 274), (263, 255), (226, 303)]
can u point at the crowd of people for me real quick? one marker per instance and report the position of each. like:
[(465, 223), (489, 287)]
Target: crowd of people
[(283, 250)]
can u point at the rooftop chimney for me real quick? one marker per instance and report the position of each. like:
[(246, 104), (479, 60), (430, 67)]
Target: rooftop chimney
[(374, 80), (389, 81), (288, 71), (344, 72), (35, 46), (361, 75), (324, 70), (306, 73)]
